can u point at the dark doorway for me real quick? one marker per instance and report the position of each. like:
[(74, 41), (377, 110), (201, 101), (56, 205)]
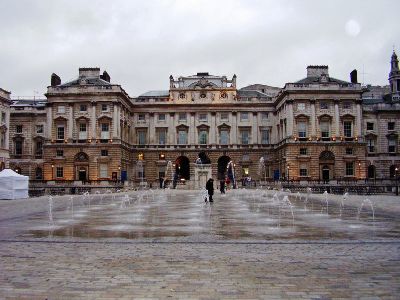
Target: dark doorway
[(82, 174), (371, 172), (325, 174), (204, 159), (222, 164), (182, 168)]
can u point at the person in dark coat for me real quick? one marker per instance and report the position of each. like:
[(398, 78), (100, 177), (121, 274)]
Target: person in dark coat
[(210, 189), (222, 186)]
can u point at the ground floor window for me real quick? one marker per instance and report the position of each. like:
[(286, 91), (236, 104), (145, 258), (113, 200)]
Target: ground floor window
[(303, 170), (59, 172), (349, 169), (103, 171)]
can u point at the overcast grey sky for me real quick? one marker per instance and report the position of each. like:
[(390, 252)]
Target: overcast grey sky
[(141, 43)]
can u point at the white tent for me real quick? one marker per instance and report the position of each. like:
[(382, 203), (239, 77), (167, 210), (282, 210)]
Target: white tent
[(13, 185)]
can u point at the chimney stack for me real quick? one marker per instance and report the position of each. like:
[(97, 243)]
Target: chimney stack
[(55, 80), (353, 76)]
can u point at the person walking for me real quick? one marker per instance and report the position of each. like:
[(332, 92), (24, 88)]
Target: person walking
[(210, 189), (222, 186)]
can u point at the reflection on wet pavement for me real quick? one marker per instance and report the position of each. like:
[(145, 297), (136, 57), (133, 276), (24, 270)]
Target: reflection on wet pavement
[(240, 214)]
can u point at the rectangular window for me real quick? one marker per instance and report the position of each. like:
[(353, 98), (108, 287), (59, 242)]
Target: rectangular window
[(161, 117), (303, 151), (302, 129), (59, 172), (303, 170), (2, 139), (82, 131), (104, 152), (324, 105), (104, 107), (370, 126), (347, 129), (39, 129), (347, 105), (390, 125), (3, 118), (301, 106), (18, 128), (61, 109), (203, 117), (371, 145), (83, 107), (141, 137), (18, 147), (60, 132), (105, 131), (203, 137), (182, 117), (349, 151), (182, 137), (59, 153), (224, 137), (325, 129), (245, 137), (162, 136), (264, 136), (142, 117), (264, 116), (391, 145), (349, 169), (244, 116), (103, 170), (224, 116), (39, 148)]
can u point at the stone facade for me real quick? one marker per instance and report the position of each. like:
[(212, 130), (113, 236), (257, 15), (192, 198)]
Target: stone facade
[(317, 128), (4, 128)]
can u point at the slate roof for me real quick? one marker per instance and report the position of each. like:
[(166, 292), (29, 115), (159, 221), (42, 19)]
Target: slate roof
[(163, 93)]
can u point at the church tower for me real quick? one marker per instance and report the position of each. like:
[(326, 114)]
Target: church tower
[(394, 75)]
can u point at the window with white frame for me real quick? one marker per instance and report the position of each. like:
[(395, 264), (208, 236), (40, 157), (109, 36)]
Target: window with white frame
[(141, 117), (182, 117), (324, 126), (162, 136), (371, 145), (161, 117), (264, 116), (59, 153), (301, 106), (391, 145), (2, 139), (59, 172), (303, 170), (182, 137), (103, 171), (224, 136), (303, 151), (348, 128), (104, 107), (245, 136), (244, 116), (3, 117), (203, 117), (61, 109), (224, 116), (60, 132), (203, 136), (141, 136), (302, 129), (264, 136), (105, 131), (82, 131), (349, 168)]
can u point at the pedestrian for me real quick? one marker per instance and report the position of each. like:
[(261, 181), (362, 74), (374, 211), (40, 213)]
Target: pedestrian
[(222, 186), (210, 189)]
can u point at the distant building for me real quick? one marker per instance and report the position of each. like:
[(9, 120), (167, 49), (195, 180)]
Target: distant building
[(4, 128)]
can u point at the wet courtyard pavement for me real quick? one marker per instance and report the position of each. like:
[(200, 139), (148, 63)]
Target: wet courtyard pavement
[(248, 244)]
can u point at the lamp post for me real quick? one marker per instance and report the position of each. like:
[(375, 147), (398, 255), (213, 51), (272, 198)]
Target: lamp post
[(52, 172), (359, 170), (287, 173), (397, 180)]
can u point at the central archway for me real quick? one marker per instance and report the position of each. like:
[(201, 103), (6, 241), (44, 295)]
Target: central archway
[(81, 164), (182, 168), (222, 164)]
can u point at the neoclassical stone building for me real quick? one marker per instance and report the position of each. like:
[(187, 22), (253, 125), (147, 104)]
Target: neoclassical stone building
[(318, 128), (4, 128)]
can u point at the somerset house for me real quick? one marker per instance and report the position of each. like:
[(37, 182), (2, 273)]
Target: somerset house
[(89, 131)]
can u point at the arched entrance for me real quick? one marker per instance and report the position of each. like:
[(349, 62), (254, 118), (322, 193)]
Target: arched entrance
[(222, 164), (371, 172), (2, 166), (326, 163), (182, 168), (81, 162)]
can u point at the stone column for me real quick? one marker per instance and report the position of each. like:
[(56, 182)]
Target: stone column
[(93, 121), (7, 140), (234, 128), (337, 119), (115, 121), (254, 127), (213, 129), (313, 128), (152, 133), (358, 121), (289, 118), (70, 121), (192, 129), (49, 123)]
